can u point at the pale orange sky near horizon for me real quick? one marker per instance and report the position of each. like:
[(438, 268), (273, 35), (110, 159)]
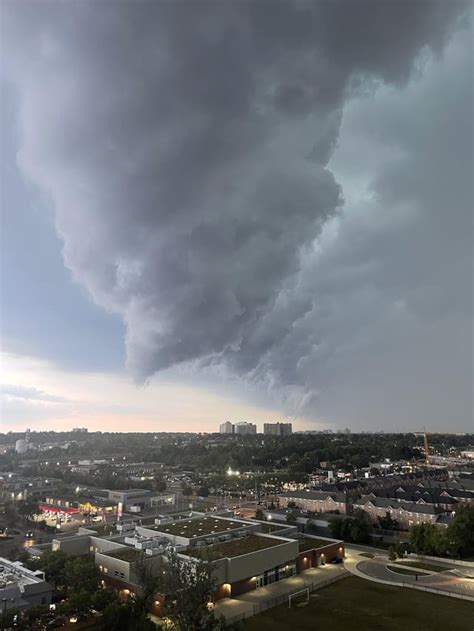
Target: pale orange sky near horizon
[(40, 396)]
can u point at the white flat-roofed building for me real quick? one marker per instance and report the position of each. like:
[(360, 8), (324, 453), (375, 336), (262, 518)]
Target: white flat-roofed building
[(21, 588), (226, 428)]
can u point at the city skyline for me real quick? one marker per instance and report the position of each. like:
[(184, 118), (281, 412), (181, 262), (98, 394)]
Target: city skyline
[(253, 219)]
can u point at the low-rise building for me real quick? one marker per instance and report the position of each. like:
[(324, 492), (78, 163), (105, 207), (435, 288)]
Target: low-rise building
[(315, 501), (405, 513), (21, 588), (245, 554)]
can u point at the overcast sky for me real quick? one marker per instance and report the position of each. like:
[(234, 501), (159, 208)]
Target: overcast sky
[(237, 210)]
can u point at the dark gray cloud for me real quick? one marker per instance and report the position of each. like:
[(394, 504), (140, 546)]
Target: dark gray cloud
[(185, 148)]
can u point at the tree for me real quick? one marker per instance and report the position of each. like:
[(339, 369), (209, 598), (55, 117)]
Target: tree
[(401, 549), (387, 522), (460, 533), (335, 526), (428, 539), (27, 508), (10, 514), (7, 618), (187, 588), (392, 555), (202, 491), (160, 485), (259, 514), (187, 490), (291, 516), (291, 504), (356, 527), (361, 527), (123, 616), (52, 563), (81, 575)]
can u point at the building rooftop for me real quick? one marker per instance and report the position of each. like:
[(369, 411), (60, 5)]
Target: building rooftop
[(313, 543), (125, 554), (268, 528), (235, 547), (14, 572), (200, 526)]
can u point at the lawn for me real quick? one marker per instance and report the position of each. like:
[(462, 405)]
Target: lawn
[(431, 567), (354, 604), (125, 554), (234, 548), (405, 570)]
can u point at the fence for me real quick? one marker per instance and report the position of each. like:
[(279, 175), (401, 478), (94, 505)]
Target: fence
[(283, 598), (424, 557), (441, 592)]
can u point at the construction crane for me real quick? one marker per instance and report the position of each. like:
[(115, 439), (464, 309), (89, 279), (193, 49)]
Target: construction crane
[(426, 445), (427, 453)]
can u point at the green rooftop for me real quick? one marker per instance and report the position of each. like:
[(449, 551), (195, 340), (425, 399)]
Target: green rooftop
[(125, 554), (200, 526), (234, 548)]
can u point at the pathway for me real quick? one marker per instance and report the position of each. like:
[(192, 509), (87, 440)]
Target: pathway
[(448, 582), (252, 602)]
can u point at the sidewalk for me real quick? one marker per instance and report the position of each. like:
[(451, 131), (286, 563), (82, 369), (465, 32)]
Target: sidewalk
[(252, 602)]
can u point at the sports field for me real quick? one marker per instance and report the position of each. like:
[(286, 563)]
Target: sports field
[(354, 604)]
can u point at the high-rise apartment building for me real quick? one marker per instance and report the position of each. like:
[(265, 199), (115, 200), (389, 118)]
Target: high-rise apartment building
[(245, 428), (278, 429), (226, 428)]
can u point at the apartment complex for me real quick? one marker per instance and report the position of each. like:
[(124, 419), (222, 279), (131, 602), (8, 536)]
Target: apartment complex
[(405, 513), (277, 429), (226, 428), (315, 501), (245, 428), (408, 499)]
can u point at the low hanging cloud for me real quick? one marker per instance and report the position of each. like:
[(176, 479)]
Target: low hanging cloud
[(185, 149)]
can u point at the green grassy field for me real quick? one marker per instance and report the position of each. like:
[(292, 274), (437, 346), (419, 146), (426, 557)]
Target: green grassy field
[(354, 604), (425, 566), (403, 570)]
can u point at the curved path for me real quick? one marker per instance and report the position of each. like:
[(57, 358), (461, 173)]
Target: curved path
[(376, 570)]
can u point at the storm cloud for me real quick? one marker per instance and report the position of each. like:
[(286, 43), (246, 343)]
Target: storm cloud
[(186, 149)]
